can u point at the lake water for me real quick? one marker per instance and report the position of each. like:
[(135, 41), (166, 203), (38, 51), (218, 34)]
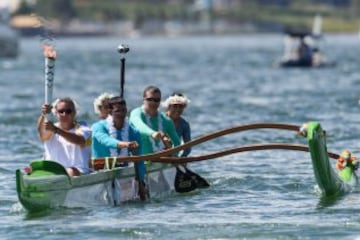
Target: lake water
[(230, 81)]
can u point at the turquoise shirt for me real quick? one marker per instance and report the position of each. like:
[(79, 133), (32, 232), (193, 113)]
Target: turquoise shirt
[(138, 119), (102, 142)]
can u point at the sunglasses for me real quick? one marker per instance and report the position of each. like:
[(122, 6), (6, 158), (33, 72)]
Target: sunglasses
[(177, 106), (119, 110), (66, 111), (153, 99)]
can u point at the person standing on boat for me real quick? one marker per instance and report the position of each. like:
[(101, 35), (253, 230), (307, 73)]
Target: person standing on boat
[(66, 141), (175, 105), (114, 137), (102, 105), (154, 126)]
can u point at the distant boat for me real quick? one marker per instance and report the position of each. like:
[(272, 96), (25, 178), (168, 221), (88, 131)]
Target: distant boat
[(9, 42), (301, 50)]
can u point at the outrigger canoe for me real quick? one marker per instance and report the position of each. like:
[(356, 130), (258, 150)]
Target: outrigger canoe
[(47, 185)]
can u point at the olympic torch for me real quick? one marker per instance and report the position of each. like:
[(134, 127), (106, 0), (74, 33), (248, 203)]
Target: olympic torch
[(50, 55)]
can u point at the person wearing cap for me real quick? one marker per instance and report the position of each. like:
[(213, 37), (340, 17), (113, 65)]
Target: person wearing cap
[(101, 105), (156, 129), (67, 141), (175, 105)]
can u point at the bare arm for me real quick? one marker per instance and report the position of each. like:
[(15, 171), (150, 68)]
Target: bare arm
[(43, 133), (71, 137), (47, 129)]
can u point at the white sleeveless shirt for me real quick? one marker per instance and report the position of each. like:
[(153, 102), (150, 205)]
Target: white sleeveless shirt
[(68, 154)]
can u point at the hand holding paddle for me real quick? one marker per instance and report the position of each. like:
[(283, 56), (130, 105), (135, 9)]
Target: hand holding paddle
[(166, 141)]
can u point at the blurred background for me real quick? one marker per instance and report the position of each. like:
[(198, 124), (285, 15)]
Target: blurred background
[(176, 17)]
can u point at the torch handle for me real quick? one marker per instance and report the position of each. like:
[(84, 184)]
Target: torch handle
[(49, 79)]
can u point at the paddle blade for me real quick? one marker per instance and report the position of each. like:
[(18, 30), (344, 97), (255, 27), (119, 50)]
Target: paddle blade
[(200, 181), (184, 182)]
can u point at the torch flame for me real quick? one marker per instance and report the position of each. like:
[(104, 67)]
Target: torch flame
[(49, 52)]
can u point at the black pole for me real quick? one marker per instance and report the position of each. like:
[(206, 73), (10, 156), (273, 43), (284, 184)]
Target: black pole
[(122, 77), (122, 49)]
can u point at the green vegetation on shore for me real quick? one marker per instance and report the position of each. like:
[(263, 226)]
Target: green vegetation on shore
[(267, 16)]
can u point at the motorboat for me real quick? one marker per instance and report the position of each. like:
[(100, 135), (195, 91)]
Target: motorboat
[(301, 48)]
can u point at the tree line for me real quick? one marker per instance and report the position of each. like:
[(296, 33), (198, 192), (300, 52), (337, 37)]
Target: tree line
[(337, 13)]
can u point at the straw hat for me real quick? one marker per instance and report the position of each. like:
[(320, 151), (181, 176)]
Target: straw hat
[(176, 98)]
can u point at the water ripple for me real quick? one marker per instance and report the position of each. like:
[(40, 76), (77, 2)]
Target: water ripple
[(231, 81)]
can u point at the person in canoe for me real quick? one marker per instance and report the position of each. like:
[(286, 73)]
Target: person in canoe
[(170, 125), (155, 127), (66, 141), (102, 105), (114, 137), (175, 105)]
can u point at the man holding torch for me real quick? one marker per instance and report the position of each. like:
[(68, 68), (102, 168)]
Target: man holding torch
[(66, 141)]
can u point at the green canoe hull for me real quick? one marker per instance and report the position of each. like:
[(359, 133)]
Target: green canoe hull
[(48, 185), (329, 180)]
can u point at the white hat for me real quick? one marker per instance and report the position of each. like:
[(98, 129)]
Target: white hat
[(98, 101), (176, 98)]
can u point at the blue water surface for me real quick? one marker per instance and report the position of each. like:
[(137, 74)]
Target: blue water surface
[(230, 80)]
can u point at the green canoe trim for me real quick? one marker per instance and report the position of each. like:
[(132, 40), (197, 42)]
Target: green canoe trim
[(346, 174), (46, 168)]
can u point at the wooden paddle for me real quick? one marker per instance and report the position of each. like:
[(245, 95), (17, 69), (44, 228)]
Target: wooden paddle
[(185, 180), (98, 163)]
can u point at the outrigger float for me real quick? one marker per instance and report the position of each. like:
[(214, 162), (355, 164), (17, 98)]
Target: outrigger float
[(330, 181), (47, 185)]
